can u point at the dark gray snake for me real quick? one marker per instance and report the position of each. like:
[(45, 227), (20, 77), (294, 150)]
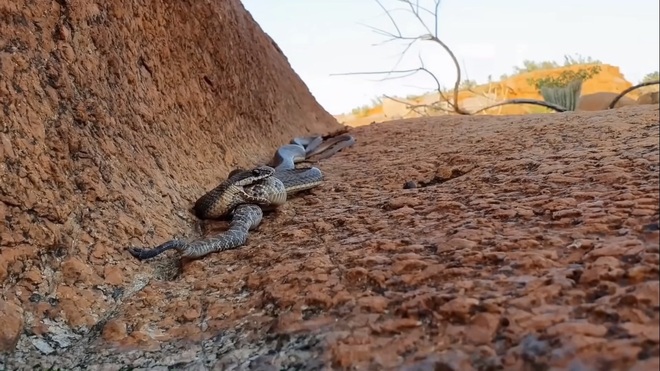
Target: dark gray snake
[(244, 194)]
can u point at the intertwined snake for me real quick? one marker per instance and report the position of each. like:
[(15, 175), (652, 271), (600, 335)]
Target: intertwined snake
[(244, 194)]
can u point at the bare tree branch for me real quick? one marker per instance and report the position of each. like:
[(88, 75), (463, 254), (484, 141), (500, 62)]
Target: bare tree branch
[(410, 72), (414, 8), (410, 107), (457, 84), (374, 72), (436, 106), (390, 17), (435, 12), (413, 107), (552, 106), (415, 12), (403, 53), (641, 85), (432, 36)]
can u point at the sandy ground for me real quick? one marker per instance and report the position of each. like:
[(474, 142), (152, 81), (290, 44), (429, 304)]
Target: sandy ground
[(514, 242)]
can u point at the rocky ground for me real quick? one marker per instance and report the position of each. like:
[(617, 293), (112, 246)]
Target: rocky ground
[(453, 243)]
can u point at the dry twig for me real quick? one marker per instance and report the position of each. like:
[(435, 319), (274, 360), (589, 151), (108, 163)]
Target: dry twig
[(432, 35), (641, 85)]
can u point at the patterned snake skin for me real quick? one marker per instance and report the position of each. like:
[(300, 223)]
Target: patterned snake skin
[(245, 192), (244, 218)]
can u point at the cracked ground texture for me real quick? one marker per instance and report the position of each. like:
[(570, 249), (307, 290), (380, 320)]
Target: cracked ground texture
[(449, 243)]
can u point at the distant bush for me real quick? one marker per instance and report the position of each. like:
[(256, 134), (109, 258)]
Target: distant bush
[(578, 59), (565, 78), (361, 111), (653, 76), (467, 84), (364, 109), (529, 66)]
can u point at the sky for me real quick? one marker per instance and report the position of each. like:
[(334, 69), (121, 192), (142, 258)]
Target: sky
[(325, 37)]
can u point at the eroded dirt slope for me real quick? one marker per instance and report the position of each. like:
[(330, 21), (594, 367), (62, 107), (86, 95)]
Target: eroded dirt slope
[(529, 242), (115, 117)]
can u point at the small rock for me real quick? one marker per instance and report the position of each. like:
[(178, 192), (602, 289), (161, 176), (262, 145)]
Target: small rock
[(404, 211), (323, 226), (34, 276), (114, 330), (459, 244), (113, 275), (647, 364), (645, 331), (396, 325), (566, 213), (460, 307), (11, 317), (410, 185), (582, 328), (483, 328), (400, 202), (375, 304), (648, 293), (190, 315), (41, 345), (651, 227), (74, 270)]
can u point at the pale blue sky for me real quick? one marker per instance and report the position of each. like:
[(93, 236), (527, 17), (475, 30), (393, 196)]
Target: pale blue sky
[(322, 37)]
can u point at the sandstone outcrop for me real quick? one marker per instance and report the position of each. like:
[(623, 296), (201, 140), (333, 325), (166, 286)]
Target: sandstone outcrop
[(650, 97), (601, 101)]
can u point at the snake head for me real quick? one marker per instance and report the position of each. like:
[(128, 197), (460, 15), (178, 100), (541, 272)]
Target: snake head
[(262, 172), (246, 177)]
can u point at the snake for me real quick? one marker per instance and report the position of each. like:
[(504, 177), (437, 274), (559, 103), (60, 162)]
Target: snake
[(245, 194)]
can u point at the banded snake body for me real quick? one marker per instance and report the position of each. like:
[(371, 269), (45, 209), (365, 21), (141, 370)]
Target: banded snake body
[(244, 194)]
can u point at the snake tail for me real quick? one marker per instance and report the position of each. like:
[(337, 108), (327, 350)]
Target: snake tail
[(245, 218), (152, 253)]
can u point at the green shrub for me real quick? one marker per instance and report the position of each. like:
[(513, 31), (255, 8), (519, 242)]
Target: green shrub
[(653, 76), (529, 66), (565, 78)]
